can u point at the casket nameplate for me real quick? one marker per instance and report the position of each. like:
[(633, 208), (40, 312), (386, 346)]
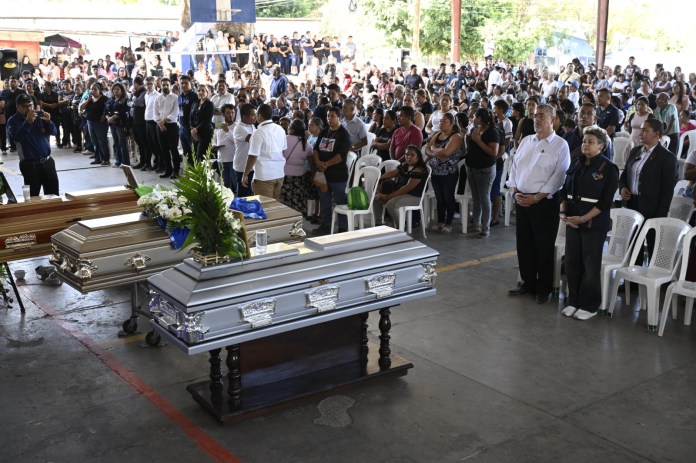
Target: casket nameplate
[(138, 262), (21, 242), (259, 313), (323, 298), (381, 285), (429, 275)]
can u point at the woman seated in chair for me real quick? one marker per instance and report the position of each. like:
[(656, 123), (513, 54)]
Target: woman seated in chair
[(402, 186)]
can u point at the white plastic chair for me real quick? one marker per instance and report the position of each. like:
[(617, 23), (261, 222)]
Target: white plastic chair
[(351, 157), (508, 195), (365, 150), (406, 212), (681, 208), (370, 176), (625, 224), (681, 158), (388, 166), (372, 160), (680, 187), (664, 141), (622, 147), (661, 269), (681, 287), (463, 199), (559, 252)]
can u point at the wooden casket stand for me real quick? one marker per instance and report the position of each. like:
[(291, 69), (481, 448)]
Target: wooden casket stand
[(310, 363)]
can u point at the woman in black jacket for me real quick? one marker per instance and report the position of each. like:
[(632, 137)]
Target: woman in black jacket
[(202, 122)]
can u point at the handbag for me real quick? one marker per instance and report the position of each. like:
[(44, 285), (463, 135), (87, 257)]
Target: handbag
[(319, 181)]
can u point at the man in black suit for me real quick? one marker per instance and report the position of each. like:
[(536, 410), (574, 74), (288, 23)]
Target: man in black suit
[(647, 182)]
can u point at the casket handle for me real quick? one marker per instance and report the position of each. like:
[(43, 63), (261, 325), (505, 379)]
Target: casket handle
[(21, 242), (381, 285), (138, 262), (85, 269), (323, 298)]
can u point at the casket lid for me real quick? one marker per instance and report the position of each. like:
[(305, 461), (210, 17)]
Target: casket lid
[(108, 233)]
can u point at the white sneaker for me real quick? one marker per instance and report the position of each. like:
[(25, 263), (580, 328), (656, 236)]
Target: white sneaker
[(584, 315), (569, 311)]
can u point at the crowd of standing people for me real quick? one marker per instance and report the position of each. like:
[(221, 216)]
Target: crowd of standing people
[(282, 110)]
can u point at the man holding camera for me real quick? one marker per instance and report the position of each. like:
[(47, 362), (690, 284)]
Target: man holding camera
[(31, 130)]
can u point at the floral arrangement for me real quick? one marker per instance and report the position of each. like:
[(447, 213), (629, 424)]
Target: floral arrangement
[(197, 211)]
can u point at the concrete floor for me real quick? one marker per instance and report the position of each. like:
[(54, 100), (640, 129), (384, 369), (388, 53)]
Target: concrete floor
[(496, 379)]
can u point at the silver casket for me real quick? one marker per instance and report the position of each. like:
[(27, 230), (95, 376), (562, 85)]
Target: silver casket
[(92, 255), (293, 286)]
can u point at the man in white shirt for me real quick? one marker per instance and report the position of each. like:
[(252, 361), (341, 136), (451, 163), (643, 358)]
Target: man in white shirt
[(494, 78), (537, 173), (266, 155), (223, 45), (151, 129), (220, 99), (224, 140), (166, 115), (243, 131)]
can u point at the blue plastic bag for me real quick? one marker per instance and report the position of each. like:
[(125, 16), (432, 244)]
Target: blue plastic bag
[(251, 209)]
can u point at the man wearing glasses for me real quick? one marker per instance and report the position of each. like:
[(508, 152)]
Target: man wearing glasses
[(537, 173), (31, 130)]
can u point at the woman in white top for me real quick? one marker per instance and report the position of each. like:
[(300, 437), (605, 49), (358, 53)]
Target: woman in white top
[(445, 107), (635, 119), (549, 86), (619, 86), (235, 81)]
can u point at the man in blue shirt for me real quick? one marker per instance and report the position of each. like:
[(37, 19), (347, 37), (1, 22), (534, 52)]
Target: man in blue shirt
[(31, 131), (279, 84)]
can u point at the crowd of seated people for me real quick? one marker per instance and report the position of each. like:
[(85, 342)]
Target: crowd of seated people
[(160, 118)]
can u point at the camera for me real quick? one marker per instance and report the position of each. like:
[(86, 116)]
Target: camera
[(39, 113)]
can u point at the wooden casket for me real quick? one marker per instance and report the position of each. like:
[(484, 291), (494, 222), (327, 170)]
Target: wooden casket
[(92, 255), (294, 321), (26, 227)]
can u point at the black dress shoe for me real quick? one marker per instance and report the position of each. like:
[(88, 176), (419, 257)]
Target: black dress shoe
[(174, 176), (159, 171), (543, 298), (165, 174), (139, 165), (518, 291), (145, 168)]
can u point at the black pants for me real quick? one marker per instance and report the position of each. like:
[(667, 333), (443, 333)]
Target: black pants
[(169, 142), (242, 190), (66, 121), (634, 203), (583, 265), (153, 144), (203, 144), (40, 174), (537, 227), (140, 136), (3, 137)]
